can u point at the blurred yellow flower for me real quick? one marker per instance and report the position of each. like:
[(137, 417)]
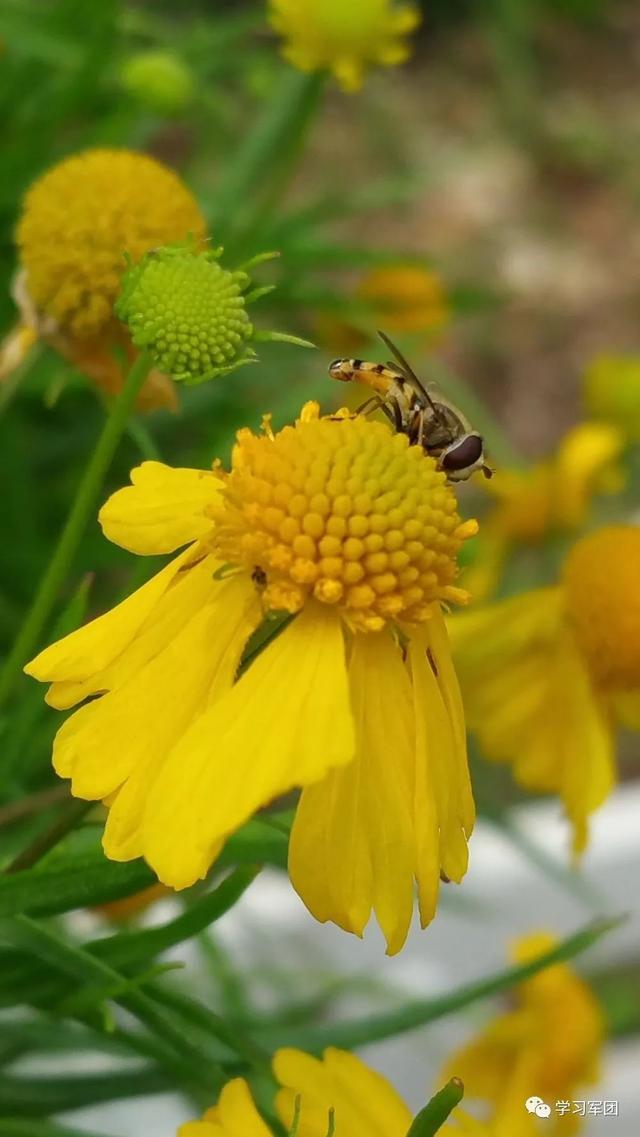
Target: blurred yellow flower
[(340, 522), (405, 298), (550, 497), (397, 298), (364, 1103), (547, 1045), (547, 675), (78, 220), (344, 38), (120, 911), (612, 392), (463, 1124)]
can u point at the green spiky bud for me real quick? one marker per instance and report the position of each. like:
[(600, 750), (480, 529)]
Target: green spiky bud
[(190, 314)]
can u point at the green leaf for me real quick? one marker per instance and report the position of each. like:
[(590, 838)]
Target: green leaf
[(75, 961), (78, 875), (34, 1127), (132, 948), (20, 975), (361, 1032), (435, 1113), (33, 1095)]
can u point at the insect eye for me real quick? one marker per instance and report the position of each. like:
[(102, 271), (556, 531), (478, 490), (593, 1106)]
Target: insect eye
[(463, 453)]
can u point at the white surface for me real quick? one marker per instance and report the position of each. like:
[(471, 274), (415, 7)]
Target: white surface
[(272, 937)]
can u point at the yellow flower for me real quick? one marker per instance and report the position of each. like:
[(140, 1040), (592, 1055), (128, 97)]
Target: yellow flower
[(343, 38), (463, 1124), (78, 220), (342, 523), (612, 392), (119, 911), (405, 298), (364, 1103), (548, 1045), (398, 298), (550, 497), (546, 675)]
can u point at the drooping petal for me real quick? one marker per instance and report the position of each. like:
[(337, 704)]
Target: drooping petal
[(364, 1102), (441, 809), (450, 690), (92, 647), (129, 730), (284, 723), (196, 670), (351, 846), (530, 700), (191, 589), (626, 708), (588, 767), (587, 451), (163, 509)]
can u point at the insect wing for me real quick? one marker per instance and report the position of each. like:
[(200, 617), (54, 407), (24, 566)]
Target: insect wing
[(405, 369), (451, 411)]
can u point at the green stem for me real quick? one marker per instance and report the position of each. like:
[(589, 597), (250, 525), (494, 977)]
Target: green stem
[(48, 840), (74, 527), (266, 158), (435, 1113), (363, 1032)]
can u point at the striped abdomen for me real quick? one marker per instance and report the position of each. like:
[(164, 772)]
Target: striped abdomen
[(375, 375)]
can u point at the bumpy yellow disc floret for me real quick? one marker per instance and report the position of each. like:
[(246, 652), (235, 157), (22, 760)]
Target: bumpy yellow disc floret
[(348, 513), (601, 577), (82, 216), (344, 37)]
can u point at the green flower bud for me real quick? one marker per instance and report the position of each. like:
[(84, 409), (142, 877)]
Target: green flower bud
[(159, 80), (190, 314)]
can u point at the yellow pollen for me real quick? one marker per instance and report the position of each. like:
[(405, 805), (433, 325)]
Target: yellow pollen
[(602, 599), (293, 510)]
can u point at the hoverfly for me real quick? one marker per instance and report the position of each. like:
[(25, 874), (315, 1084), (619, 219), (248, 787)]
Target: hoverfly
[(422, 413)]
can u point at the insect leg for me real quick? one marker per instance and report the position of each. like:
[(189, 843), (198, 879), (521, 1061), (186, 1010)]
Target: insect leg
[(372, 404), (396, 412)]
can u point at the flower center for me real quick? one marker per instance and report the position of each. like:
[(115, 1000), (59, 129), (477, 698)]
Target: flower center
[(344, 511), (601, 577), (81, 216)]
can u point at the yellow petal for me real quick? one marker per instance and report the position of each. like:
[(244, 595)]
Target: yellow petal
[(351, 845), (235, 1115), (163, 509), (192, 587), (530, 700), (195, 670), (626, 708), (450, 690), (92, 647), (363, 1100), (585, 453), (284, 723), (587, 768), (132, 728), (439, 778)]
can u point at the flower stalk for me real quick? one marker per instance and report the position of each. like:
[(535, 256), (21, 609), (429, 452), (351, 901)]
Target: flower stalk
[(75, 525)]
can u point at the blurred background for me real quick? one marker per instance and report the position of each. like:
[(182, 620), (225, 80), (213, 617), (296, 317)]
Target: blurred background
[(481, 205)]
